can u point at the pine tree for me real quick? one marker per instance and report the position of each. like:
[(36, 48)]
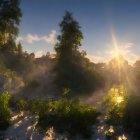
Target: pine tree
[(72, 68)]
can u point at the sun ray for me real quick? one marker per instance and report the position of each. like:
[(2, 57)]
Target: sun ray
[(117, 53)]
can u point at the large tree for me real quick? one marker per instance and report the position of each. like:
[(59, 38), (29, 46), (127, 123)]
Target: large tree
[(10, 14), (73, 70)]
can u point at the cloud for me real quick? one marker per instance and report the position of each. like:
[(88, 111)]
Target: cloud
[(31, 38), (49, 39), (19, 38), (39, 54)]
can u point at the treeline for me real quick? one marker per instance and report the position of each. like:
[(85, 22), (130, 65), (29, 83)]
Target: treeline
[(71, 69), (14, 62)]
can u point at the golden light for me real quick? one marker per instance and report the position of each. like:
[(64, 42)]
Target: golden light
[(116, 49), (123, 137), (117, 53), (119, 99)]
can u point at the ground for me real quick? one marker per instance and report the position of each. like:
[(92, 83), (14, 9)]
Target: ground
[(23, 125)]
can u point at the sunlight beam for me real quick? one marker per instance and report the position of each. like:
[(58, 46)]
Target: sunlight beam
[(117, 53)]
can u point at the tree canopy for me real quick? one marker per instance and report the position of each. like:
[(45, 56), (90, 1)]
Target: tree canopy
[(73, 70), (10, 14)]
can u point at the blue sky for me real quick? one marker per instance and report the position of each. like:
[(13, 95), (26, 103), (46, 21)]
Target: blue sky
[(99, 20)]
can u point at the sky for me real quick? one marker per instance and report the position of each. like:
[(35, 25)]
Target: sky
[(101, 22)]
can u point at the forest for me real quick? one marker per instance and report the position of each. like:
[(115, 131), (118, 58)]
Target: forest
[(64, 95)]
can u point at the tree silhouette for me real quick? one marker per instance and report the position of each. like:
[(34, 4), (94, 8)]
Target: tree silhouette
[(73, 70)]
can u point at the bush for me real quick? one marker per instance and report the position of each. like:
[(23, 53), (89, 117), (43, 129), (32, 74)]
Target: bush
[(65, 115), (35, 105), (21, 105), (5, 112), (69, 116), (131, 118), (39, 106), (115, 102), (125, 113)]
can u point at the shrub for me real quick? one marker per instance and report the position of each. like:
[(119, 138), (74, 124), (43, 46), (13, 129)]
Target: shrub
[(65, 115), (39, 106), (21, 105), (36, 105), (125, 113), (5, 112), (115, 102), (69, 116), (131, 118)]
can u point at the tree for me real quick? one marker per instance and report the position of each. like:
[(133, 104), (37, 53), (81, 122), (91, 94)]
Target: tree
[(10, 14), (9, 46), (73, 70), (19, 48), (5, 112)]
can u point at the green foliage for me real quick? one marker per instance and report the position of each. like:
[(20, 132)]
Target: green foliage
[(21, 104), (115, 101), (11, 54), (17, 61), (66, 91), (73, 70), (12, 57), (9, 46), (131, 118), (113, 94), (5, 112), (36, 105), (124, 113), (69, 116), (65, 115), (10, 14), (40, 106)]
